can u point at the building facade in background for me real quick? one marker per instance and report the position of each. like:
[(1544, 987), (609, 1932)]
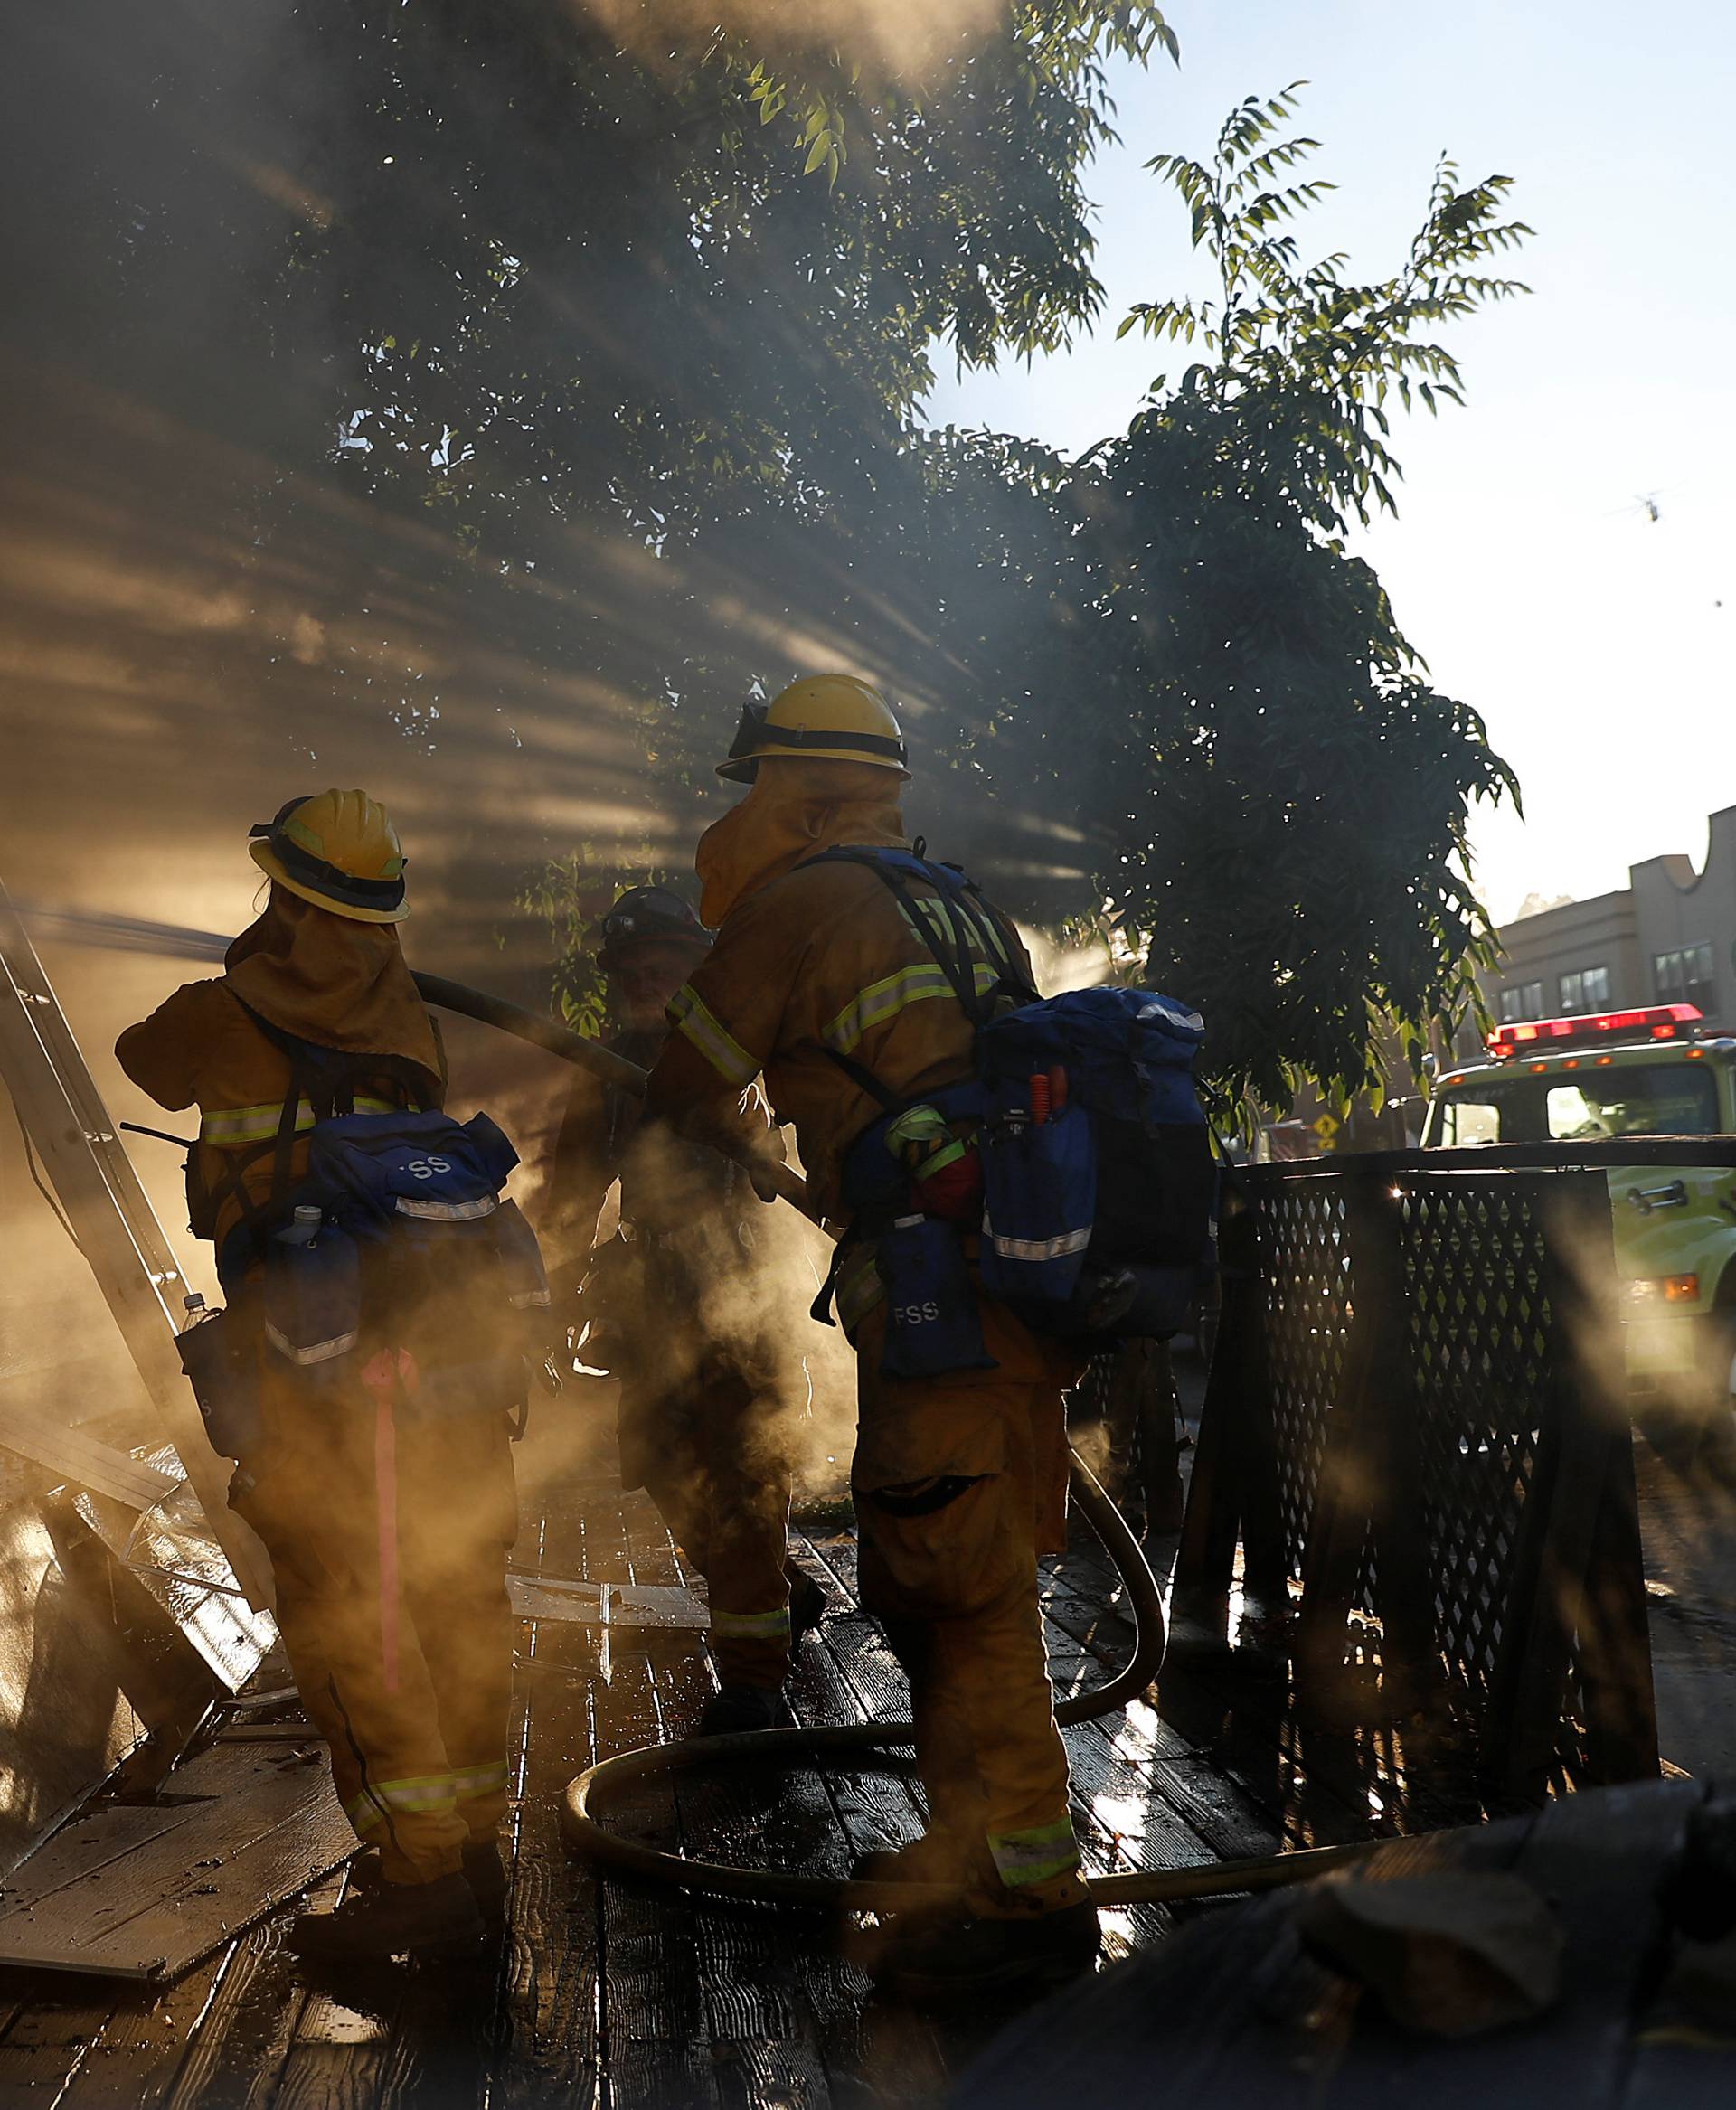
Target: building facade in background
[(1670, 938)]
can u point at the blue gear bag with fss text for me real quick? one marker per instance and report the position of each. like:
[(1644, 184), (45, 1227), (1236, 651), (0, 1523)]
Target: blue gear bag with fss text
[(1099, 1183), (403, 1213), (396, 1235), (932, 1321)]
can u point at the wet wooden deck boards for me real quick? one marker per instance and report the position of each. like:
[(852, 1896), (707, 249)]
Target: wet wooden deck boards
[(647, 2001)]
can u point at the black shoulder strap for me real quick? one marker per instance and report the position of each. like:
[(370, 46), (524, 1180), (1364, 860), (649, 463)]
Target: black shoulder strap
[(996, 931), (943, 941), (864, 1078), (938, 932), (306, 1078), (327, 1078)]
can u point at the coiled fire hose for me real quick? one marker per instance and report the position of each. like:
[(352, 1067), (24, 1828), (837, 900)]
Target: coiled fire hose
[(587, 1835)]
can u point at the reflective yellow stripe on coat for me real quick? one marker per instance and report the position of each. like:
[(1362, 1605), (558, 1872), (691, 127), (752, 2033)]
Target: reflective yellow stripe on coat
[(934, 921), (228, 1126), (886, 998), (751, 1625), (688, 1013)]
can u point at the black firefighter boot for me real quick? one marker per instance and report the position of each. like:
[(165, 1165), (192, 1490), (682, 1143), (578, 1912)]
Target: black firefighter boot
[(938, 1957), (737, 1709), (486, 1872), (734, 1710), (809, 1605), (483, 1870), (434, 1921), (935, 1857), (944, 1962)]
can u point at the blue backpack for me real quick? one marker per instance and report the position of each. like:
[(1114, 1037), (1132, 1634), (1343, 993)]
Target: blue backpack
[(1099, 1183), (397, 1229)]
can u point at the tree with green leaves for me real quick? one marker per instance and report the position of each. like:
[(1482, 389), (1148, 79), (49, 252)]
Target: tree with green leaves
[(635, 313), (545, 376), (1162, 654), (620, 265), (1267, 793)]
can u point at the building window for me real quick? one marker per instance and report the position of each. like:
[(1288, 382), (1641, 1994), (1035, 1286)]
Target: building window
[(1524, 999), (1686, 976), (1588, 989)]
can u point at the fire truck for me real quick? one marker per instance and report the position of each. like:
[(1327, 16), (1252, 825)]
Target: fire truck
[(1651, 1071)]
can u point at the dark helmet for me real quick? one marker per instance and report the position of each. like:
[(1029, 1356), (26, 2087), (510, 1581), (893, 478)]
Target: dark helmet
[(646, 912)]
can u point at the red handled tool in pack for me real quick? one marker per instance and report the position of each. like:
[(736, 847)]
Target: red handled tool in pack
[(1047, 1095)]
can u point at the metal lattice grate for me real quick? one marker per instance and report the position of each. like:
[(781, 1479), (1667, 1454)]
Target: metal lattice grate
[(1480, 1352), (1303, 1258), (1415, 1420)]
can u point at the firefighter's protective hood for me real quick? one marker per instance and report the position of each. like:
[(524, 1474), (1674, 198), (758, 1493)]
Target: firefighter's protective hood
[(794, 810), (333, 981)]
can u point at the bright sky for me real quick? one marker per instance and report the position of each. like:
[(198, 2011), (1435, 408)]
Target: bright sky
[(1523, 566)]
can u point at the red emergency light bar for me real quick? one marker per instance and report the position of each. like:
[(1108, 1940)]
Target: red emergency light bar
[(1655, 1021)]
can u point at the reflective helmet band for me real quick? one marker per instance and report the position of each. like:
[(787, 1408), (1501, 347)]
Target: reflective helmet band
[(800, 737), (327, 878)]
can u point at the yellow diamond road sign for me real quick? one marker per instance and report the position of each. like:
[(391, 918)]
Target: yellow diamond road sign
[(1326, 1128)]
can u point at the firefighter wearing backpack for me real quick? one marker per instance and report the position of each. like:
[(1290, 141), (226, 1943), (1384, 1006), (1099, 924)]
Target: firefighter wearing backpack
[(696, 1427), (372, 1388), (819, 981)]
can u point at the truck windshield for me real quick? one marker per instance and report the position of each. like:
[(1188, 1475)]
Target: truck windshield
[(1663, 1099)]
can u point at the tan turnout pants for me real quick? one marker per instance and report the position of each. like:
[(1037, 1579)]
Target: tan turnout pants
[(959, 1483), (721, 1484), (389, 1531)]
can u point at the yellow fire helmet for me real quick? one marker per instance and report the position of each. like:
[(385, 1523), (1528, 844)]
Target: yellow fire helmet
[(339, 850), (833, 718)]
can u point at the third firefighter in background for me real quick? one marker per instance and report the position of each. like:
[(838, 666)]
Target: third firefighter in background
[(683, 1313)]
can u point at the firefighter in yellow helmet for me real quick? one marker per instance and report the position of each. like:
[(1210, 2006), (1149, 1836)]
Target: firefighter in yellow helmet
[(683, 1313), (377, 1470), (818, 982)]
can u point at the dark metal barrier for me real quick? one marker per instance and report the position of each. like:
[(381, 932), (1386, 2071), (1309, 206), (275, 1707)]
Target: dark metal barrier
[(1123, 1418), (1416, 1429)]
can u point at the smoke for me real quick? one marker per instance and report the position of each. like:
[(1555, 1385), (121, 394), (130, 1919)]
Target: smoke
[(805, 1372), (205, 607), (1661, 1380), (1060, 966), (702, 1309), (265, 524), (254, 541), (903, 39)]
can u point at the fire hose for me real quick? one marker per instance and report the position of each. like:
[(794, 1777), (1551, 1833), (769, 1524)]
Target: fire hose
[(603, 1064), (587, 1836)]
